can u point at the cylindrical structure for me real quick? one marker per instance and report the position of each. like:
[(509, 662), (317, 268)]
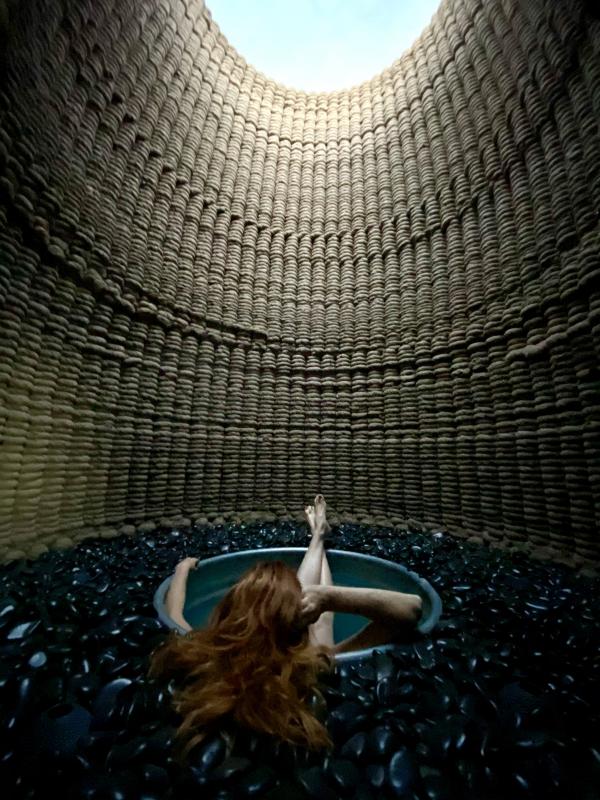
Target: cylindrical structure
[(219, 294)]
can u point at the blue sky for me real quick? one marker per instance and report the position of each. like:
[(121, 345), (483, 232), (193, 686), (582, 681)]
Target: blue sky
[(321, 45)]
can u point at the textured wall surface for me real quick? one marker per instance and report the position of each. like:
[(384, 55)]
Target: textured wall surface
[(221, 295)]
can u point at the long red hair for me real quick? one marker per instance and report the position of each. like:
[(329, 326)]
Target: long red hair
[(252, 662)]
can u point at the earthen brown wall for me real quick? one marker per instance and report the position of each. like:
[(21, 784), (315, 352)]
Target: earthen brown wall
[(219, 295)]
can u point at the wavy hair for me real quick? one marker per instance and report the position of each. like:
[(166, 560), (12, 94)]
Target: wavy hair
[(252, 663)]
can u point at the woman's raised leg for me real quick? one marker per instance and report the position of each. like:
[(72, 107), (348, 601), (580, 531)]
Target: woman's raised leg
[(322, 630), (315, 569), (373, 634), (391, 613), (309, 571)]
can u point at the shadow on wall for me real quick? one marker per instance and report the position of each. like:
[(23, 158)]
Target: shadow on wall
[(7, 9), (592, 7)]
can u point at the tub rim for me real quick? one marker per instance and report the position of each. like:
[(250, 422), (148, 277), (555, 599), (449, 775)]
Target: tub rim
[(424, 627)]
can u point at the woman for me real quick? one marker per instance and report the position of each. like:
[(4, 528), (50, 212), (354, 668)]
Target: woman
[(259, 658)]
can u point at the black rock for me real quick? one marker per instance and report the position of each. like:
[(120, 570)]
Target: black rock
[(473, 707), (366, 671), (318, 706), (501, 697), (386, 691), (60, 728), (209, 753), (438, 787), (231, 766), (344, 720), (121, 786), (156, 778), (366, 700), (425, 653), (382, 741), (401, 773), (285, 789), (312, 780), (471, 774), (256, 782), (135, 750), (52, 689), (364, 792), (83, 687), (375, 774), (406, 711), (25, 698), (8, 607), (160, 744), (343, 774), (355, 747), (446, 737), (406, 691), (23, 629), (96, 745), (106, 706), (38, 660), (513, 697), (332, 695), (383, 664)]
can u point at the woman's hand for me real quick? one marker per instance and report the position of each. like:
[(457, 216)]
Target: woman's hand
[(175, 599), (186, 565), (314, 603)]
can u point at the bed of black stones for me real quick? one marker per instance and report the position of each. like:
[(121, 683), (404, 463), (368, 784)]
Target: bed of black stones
[(501, 701)]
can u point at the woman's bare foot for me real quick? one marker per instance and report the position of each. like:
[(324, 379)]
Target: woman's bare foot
[(317, 516)]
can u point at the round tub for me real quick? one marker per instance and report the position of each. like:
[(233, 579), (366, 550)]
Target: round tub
[(212, 578)]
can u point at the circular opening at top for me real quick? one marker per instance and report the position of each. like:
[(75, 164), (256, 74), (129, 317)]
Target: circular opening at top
[(321, 45)]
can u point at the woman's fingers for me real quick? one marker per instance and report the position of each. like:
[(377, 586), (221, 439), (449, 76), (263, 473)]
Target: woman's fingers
[(310, 609), (188, 563)]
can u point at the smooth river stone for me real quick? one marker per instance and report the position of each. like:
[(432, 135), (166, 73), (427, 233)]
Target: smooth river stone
[(24, 629), (346, 719), (437, 787), (384, 665), (231, 766), (381, 742), (355, 747), (375, 775), (312, 780), (256, 782), (38, 659), (60, 728), (104, 705), (127, 753), (209, 753), (155, 777), (343, 775), (387, 691), (401, 773)]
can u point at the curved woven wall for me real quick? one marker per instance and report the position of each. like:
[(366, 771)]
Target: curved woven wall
[(220, 295)]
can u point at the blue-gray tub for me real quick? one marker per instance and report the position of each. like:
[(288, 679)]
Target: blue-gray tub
[(212, 578)]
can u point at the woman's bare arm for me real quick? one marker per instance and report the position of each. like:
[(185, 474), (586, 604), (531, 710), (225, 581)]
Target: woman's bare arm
[(379, 605), (389, 612), (175, 599)]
